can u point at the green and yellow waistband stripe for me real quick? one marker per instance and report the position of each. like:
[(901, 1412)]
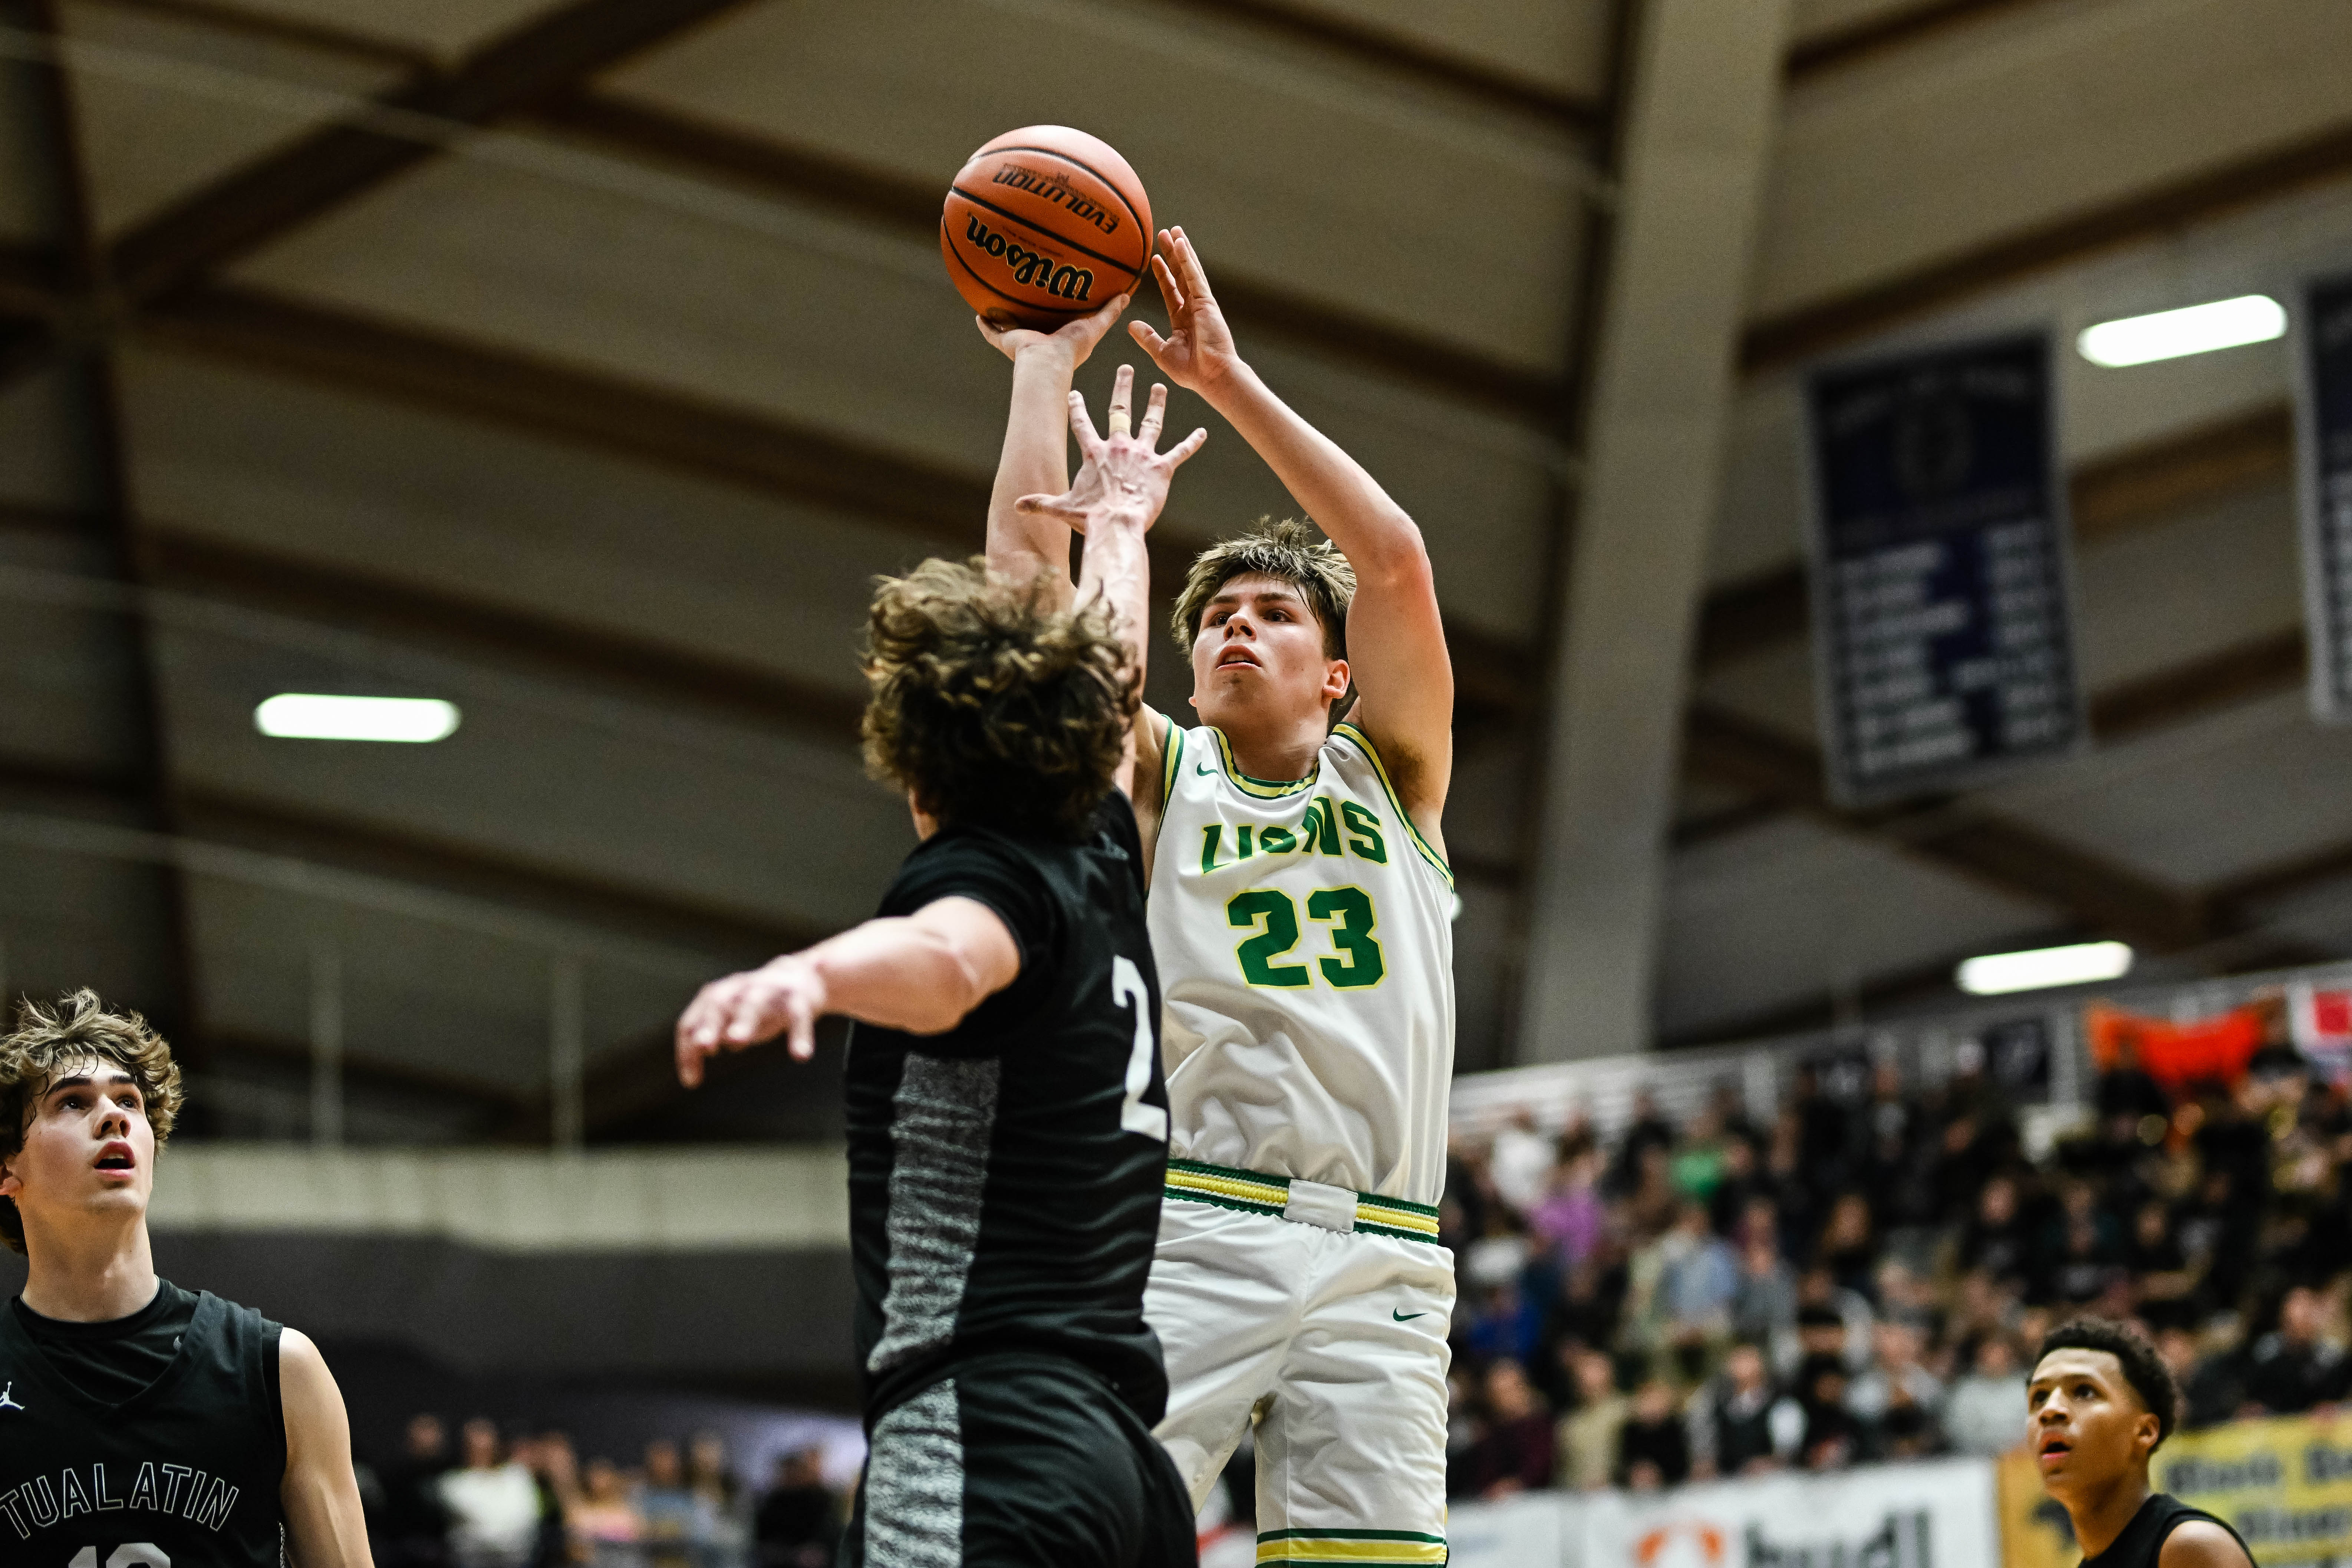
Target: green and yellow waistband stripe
[(1365, 1548), (1254, 1193), (1228, 1188), (1394, 1217)]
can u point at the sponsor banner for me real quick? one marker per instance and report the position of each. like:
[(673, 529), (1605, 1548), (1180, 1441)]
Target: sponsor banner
[(1528, 1531), (1936, 1514), (2283, 1483), (2324, 458), (1943, 628)]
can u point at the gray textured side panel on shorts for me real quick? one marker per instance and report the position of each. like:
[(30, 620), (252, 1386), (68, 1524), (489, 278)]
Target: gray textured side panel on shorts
[(940, 1123), (914, 1484)]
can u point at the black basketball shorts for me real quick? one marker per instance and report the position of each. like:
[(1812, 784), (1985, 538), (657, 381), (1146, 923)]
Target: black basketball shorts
[(1018, 1461)]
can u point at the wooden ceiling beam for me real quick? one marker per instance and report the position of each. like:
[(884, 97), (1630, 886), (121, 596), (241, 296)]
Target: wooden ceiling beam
[(1409, 59), (944, 506), (271, 196), (447, 865), (1890, 32), (911, 208), (1777, 342), (476, 627)]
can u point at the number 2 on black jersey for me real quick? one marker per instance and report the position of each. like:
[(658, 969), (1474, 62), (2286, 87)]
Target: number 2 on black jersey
[(1128, 990)]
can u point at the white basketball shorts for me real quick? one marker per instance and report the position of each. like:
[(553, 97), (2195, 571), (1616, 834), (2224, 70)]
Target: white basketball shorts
[(1324, 1315)]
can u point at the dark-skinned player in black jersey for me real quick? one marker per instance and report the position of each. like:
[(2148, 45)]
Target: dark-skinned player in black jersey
[(2101, 1402), (141, 1426), (1008, 1122)]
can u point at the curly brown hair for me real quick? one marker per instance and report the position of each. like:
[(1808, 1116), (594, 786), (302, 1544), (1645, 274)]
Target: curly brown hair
[(46, 1041), (990, 706), (1292, 548)]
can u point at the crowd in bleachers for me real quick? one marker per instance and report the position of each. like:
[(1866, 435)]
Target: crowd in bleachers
[(1864, 1277), (496, 1501)]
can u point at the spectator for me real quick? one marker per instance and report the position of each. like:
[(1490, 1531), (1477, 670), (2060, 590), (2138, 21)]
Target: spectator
[(1847, 1248), (556, 1473), (2166, 1283), (413, 1530), (1764, 1306), (2294, 1367), (1571, 1218), (493, 1504), (1994, 1244), (1739, 1425), (798, 1524), (1986, 1412), (605, 1523), (1894, 1378), (1653, 1449), (667, 1507), (1698, 1280), (1520, 1161), (1516, 1452), (1587, 1438), (1833, 1436), (721, 1536)]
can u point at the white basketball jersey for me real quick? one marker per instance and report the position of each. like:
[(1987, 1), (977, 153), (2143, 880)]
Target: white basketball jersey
[(1305, 937)]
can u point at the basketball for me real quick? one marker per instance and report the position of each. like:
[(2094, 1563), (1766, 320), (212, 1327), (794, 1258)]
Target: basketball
[(1044, 224)]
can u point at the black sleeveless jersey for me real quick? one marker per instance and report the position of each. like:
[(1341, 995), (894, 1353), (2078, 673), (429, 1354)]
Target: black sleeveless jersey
[(184, 1474), (2142, 1541), (1004, 1177)]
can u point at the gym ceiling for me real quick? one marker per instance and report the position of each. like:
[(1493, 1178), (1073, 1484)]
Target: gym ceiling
[(582, 365)]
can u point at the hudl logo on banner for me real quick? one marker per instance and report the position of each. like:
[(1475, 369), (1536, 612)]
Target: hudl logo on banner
[(1901, 1541)]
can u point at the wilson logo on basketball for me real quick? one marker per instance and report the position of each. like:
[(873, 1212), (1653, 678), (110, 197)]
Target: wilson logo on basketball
[(1056, 188), (1029, 267)]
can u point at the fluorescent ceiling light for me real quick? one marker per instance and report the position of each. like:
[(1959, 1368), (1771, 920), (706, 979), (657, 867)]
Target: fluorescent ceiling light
[(2194, 329), (1999, 972), (305, 716)]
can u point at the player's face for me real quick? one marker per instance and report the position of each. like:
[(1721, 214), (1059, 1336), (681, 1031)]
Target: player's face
[(1259, 653), (2084, 1422), (89, 1149)]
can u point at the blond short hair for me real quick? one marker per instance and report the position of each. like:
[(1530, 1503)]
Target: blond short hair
[(48, 1040), (1293, 550)]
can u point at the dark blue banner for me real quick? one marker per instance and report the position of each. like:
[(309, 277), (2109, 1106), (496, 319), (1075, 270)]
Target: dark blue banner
[(1942, 623), (2324, 454)]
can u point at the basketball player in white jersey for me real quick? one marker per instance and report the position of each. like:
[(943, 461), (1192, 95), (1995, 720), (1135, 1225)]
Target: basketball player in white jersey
[(1300, 913)]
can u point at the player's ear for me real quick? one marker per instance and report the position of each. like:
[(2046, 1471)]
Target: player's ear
[(1336, 677), (9, 1183)]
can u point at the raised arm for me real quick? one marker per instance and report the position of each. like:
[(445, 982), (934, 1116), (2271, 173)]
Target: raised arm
[(1396, 640), (920, 973), (1035, 458), (1120, 490)]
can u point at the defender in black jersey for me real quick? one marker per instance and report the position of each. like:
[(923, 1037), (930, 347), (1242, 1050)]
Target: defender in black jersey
[(141, 1426), (1008, 1123), (2100, 1403)]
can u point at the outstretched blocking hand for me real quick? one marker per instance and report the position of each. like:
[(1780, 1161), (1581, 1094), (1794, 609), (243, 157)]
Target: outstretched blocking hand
[(785, 994), (1121, 474), (1076, 338), (1198, 350)]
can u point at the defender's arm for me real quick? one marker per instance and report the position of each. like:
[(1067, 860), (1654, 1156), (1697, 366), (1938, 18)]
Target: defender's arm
[(1036, 457), (919, 973), (321, 1496), (1396, 639), (2194, 1543)]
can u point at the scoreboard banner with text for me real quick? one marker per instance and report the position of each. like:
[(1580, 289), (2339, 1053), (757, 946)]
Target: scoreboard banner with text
[(2324, 458), (1942, 572), (2283, 1483)]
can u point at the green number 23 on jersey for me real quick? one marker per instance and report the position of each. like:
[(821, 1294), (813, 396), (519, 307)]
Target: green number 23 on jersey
[(1354, 961)]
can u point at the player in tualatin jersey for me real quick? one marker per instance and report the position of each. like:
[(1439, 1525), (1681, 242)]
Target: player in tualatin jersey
[(1007, 1117), (1301, 917), (141, 1426)]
